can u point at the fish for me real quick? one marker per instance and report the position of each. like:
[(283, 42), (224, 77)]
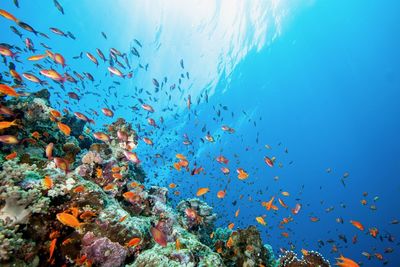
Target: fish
[(158, 236), (9, 139), (32, 78), (58, 6), (52, 74), (68, 220), (115, 71), (8, 90), (37, 57), (346, 262), (61, 164), (221, 194), (261, 220), (8, 15), (49, 151), (11, 156), (133, 242), (202, 191), (231, 225), (101, 136), (148, 108), (5, 51), (7, 124), (357, 225), (242, 174), (107, 112), (92, 58), (64, 128), (52, 248), (47, 182), (132, 157), (269, 162)]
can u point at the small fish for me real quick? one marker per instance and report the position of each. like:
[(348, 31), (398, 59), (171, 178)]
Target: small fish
[(107, 112), (7, 15), (148, 108), (269, 162), (346, 262), (37, 57), (242, 174), (9, 139), (357, 225), (8, 90), (11, 156), (58, 6), (92, 58), (221, 194), (133, 242), (52, 248), (47, 182), (61, 164), (101, 136), (132, 156), (261, 220), (202, 191), (7, 124), (68, 220), (64, 128)]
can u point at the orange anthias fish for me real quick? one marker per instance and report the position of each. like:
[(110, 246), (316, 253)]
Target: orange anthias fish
[(261, 220), (237, 212), (202, 191), (8, 90), (52, 248), (52, 74), (242, 174), (68, 220), (64, 128), (7, 124), (373, 232), (346, 262), (231, 225), (11, 156), (358, 225), (9, 139), (133, 242), (49, 151), (37, 57), (8, 15), (221, 194), (47, 182), (268, 205)]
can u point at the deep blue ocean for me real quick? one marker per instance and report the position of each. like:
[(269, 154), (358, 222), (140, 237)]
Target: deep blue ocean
[(313, 83)]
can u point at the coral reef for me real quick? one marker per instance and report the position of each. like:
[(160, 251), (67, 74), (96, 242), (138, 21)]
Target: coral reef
[(83, 201)]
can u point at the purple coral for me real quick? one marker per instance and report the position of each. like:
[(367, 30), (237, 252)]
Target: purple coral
[(102, 251)]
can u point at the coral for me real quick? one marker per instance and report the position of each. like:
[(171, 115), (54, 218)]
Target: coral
[(310, 259), (102, 251), (243, 248), (10, 241), (197, 217)]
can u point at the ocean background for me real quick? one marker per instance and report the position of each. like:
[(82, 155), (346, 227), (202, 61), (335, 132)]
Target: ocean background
[(318, 81)]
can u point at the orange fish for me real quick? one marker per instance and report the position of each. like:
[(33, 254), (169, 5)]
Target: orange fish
[(314, 219), (346, 262), (128, 195), (231, 225), (242, 174), (285, 234), (117, 175), (37, 57), (36, 135), (49, 151), (269, 162), (296, 209), (68, 220), (358, 225), (79, 189), (109, 187), (107, 112), (61, 163), (123, 218), (8, 90), (221, 194), (55, 113), (133, 242), (64, 128), (373, 232), (8, 15), (229, 243), (268, 205), (47, 182), (4, 51), (282, 203), (261, 220), (237, 212), (52, 247), (87, 215), (222, 159), (9, 139), (16, 75), (101, 136), (177, 244), (52, 74), (284, 193), (11, 156), (202, 191), (225, 170), (172, 185)]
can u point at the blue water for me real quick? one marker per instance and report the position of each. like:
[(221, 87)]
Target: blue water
[(320, 86)]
